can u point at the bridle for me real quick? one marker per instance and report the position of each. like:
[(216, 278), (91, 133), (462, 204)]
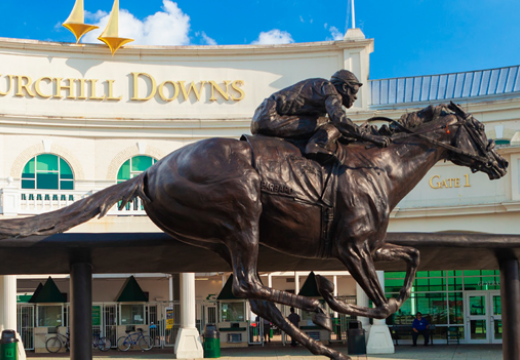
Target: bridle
[(465, 121)]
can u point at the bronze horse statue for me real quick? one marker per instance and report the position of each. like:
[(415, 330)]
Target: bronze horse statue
[(211, 194)]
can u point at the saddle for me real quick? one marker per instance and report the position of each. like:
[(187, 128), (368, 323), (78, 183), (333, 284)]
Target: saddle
[(285, 171)]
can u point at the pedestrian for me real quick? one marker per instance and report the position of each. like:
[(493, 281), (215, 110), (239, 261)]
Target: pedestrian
[(267, 331), (295, 320), (420, 326)]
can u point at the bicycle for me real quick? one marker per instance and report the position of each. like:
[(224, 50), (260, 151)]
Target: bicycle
[(144, 341), (55, 343), (102, 343)]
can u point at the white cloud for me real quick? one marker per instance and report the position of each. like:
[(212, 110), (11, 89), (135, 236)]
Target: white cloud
[(207, 40), (336, 34), (167, 27), (301, 19), (274, 36), (95, 16)]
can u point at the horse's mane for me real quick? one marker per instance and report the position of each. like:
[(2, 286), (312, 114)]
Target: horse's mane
[(410, 121), (416, 119)]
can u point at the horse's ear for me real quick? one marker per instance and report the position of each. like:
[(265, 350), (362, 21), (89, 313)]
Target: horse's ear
[(457, 109)]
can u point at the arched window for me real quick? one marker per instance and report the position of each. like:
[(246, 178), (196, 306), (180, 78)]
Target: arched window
[(47, 172), (133, 167)]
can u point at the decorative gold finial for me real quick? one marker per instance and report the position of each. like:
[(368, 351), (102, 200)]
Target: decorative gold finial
[(76, 21), (111, 34)]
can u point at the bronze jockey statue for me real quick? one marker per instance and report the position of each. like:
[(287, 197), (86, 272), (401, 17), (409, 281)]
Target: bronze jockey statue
[(299, 112)]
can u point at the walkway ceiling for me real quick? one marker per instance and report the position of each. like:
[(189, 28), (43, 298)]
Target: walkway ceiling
[(113, 253)]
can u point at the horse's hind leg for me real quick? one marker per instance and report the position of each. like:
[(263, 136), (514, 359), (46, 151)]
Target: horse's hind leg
[(358, 261), (411, 256), (246, 282), (269, 311)]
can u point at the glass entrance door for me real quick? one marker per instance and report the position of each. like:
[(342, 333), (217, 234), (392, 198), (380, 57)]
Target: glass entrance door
[(483, 317), (495, 317), (477, 317)]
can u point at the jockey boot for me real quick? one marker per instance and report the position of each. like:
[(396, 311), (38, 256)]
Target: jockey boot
[(322, 145)]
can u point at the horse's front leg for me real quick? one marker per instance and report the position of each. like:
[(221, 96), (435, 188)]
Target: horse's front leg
[(360, 264), (391, 252)]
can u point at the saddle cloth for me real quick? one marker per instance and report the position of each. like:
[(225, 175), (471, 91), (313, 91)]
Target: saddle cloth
[(286, 172)]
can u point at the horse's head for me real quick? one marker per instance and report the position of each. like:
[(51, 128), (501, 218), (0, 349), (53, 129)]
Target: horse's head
[(472, 148)]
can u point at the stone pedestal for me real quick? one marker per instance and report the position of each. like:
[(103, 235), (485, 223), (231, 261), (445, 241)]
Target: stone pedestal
[(187, 343), (379, 337), (362, 300)]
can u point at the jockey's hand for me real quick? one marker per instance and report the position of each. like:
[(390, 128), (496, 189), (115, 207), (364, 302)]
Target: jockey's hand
[(381, 141)]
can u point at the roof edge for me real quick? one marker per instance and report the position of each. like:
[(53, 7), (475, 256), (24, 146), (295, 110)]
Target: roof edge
[(201, 50)]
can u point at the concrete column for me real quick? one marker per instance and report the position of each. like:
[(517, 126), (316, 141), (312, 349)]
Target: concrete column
[(270, 280), (8, 302), (170, 288), (81, 311), (379, 337), (9, 310), (362, 300), (296, 283), (335, 281), (187, 343), (510, 298)]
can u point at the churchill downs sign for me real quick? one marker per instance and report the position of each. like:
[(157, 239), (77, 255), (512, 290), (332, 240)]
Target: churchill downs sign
[(143, 87)]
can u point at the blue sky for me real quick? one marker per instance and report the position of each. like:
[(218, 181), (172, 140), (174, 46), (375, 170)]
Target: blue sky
[(411, 37)]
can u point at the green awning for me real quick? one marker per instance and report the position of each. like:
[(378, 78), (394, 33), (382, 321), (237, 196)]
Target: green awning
[(131, 292), (36, 292), (227, 293), (48, 293), (310, 288)]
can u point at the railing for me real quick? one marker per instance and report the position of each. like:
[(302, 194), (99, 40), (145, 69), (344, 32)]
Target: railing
[(32, 202), (439, 88)]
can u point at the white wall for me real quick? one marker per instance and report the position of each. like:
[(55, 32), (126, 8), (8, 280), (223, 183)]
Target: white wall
[(262, 69)]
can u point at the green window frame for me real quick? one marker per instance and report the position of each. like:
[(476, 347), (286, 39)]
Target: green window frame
[(47, 172), (502, 142), (133, 167)]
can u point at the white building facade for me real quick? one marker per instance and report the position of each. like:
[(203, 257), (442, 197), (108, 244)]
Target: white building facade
[(74, 120)]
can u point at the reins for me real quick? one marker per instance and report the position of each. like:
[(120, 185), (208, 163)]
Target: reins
[(485, 161)]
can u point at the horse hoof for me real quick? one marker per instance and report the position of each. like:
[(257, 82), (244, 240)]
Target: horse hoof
[(325, 286), (322, 321), (393, 305)]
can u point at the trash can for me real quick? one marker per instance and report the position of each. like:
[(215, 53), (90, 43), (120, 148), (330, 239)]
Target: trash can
[(9, 345), (356, 338), (211, 341)]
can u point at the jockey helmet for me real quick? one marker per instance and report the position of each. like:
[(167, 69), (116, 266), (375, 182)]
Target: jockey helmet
[(345, 77)]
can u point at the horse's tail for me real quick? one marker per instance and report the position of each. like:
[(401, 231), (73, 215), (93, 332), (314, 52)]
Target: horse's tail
[(77, 213)]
